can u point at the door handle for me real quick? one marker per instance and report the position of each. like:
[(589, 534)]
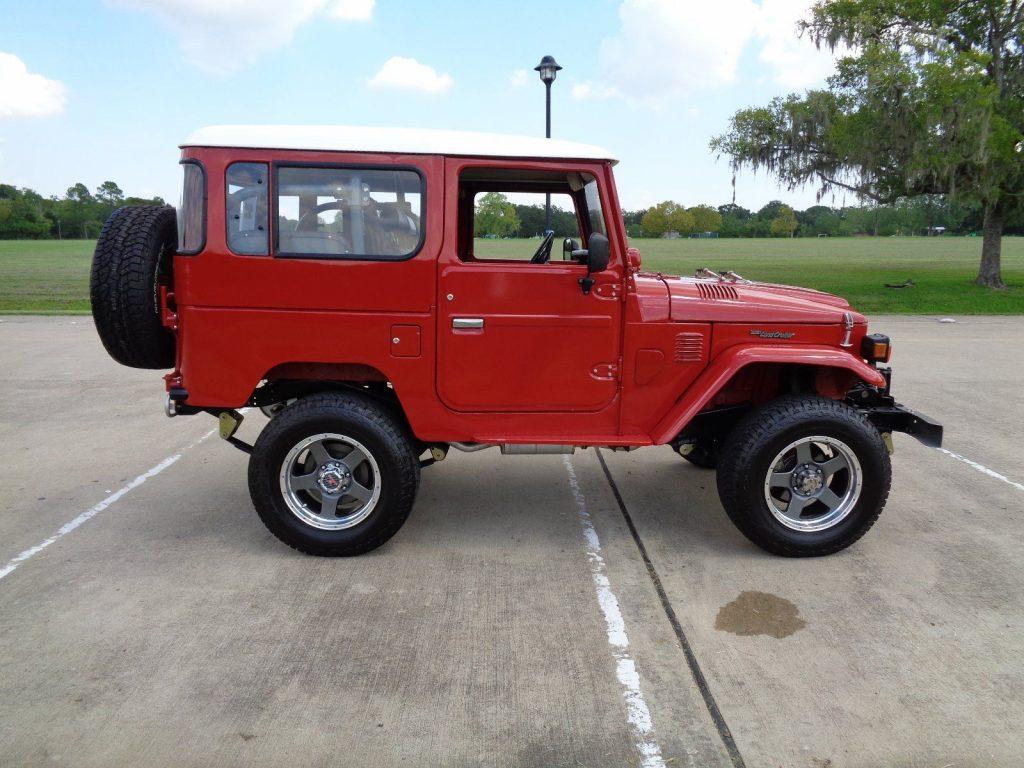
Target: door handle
[(467, 322)]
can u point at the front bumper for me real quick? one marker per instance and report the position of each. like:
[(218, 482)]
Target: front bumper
[(896, 418)]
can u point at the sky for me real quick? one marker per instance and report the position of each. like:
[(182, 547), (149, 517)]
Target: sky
[(92, 90)]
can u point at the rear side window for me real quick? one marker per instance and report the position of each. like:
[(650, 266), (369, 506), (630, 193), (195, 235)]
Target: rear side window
[(246, 207), (192, 211), (349, 213)]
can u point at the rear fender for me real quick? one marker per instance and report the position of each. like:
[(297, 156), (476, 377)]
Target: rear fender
[(730, 362)]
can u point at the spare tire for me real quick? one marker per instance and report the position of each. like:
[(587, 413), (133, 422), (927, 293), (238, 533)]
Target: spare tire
[(133, 257)]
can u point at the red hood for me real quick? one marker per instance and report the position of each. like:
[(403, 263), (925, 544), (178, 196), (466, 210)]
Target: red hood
[(696, 300)]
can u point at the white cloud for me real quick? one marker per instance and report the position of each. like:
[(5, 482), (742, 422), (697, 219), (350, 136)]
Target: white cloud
[(26, 94), (670, 49), (518, 78), (352, 10), (793, 61), (408, 74), (228, 35), (588, 89)]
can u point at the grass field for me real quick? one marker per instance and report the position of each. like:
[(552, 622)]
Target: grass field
[(50, 276)]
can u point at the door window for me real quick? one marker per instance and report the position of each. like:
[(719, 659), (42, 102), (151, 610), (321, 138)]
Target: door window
[(503, 214)]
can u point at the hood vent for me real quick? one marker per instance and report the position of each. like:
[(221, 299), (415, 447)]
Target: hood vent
[(715, 291)]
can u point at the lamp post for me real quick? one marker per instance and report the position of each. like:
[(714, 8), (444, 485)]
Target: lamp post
[(548, 70)]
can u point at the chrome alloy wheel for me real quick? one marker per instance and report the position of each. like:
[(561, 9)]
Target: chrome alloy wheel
[(330, 481), (813, 483)]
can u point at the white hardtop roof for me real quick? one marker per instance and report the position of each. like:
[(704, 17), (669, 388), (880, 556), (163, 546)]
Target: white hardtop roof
[(413, 141)]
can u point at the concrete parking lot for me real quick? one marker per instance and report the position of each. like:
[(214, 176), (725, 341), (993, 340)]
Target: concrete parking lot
[(534, 611)]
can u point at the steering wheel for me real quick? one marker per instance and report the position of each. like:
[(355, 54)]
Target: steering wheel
[(543, 253), (334, 205)]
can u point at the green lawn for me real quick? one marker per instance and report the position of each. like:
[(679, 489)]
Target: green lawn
[(45, 276), (50, 276), (942, 268)]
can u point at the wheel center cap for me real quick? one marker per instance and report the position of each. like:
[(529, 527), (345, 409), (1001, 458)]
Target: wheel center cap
[(807, 479), (334, 478)]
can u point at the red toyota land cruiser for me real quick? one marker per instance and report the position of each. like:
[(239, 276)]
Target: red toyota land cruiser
[(330, 276)]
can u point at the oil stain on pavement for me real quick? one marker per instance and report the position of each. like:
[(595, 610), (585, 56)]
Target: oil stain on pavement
[(759, 613)]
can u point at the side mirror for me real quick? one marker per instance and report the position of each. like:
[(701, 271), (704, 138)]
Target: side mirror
[(597, 254), (569, 248)]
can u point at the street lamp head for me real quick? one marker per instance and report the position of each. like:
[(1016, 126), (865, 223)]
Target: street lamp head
[(548, 69)]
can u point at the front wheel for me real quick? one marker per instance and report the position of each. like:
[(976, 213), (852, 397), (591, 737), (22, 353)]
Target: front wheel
[(333, 474), (804, 476)]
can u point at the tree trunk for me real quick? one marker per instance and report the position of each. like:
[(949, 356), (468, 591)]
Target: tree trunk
[(989, 273)]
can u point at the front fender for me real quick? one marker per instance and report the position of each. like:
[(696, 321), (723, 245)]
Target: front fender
[(732, 360)]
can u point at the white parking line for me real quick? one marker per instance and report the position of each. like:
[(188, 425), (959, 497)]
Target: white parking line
[(90, 513), (983, 469), (637, 712)]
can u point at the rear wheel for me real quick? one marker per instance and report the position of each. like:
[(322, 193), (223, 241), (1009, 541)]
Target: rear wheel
[(333, 474), (804, 476)]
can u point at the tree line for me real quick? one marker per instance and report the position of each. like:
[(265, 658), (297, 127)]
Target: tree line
[(497, 216), (79, 213)]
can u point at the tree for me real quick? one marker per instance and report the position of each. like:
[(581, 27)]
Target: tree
[(79, 193), (496, 216), (734, 218), (784, 224), (108, 193), (705, 218), (931, 103), (21, 213), (667, 216), (633, 221)]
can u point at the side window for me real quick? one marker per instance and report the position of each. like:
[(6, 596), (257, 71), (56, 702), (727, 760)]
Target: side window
[(246, 208), (503, 214), (509, 226), (349, 213), (192, 211)]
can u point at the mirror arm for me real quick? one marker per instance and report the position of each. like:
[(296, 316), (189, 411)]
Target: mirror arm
[(586, 283)]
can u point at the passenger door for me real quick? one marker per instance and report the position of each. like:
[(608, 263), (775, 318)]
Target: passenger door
[(514, 336)]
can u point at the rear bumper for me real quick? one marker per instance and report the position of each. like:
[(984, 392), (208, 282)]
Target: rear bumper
[(896, 418)]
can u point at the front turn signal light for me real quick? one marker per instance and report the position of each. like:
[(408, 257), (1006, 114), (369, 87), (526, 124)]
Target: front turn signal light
[(876, 348)]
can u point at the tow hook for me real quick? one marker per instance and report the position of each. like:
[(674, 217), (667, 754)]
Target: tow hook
[(229, 422), (685, 449)]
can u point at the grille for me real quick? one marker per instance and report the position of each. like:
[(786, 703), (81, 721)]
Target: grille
[(714, 291), (689, 348)]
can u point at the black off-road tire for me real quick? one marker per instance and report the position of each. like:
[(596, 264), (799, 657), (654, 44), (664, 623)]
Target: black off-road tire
[(133, 256), (704, 455), (357, 417), (750, 448)]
